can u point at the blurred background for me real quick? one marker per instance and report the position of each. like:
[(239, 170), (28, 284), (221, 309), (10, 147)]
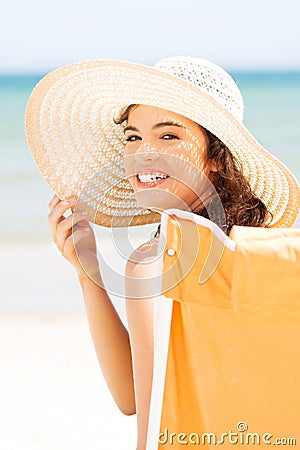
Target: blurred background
[(46, 351)]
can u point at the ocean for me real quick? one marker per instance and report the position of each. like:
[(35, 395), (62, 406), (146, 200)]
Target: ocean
[(272, 114)]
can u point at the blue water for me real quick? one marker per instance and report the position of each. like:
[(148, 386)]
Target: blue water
[(272, 113)]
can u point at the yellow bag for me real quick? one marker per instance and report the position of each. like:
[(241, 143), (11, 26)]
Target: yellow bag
[(227, 337)]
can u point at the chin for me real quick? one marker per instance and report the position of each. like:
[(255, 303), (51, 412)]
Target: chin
[(159, 200)]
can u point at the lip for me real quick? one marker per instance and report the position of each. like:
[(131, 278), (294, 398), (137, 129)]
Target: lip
[(151, 184)]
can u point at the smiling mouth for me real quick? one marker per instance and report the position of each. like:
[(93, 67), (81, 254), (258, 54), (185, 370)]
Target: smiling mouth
[(151, 179)]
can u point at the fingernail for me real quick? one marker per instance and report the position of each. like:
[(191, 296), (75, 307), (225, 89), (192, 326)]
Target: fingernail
[(72, 200), (84, 213), (86, 230)]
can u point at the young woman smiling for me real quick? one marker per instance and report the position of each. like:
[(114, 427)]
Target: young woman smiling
[(119, 143)]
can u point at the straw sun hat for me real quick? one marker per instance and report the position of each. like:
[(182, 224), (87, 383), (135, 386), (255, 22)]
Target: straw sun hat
[(79, 148)]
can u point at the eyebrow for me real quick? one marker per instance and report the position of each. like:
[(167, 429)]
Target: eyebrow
[(156, 126)]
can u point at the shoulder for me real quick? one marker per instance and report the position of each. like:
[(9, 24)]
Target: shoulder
[(142, 258), (142, 272)]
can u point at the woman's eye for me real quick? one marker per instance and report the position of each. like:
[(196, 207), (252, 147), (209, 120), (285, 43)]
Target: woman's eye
[(169, 136), (132, 138)]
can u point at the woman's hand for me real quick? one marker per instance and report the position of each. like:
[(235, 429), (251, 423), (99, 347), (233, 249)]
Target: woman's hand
[(73, 236)]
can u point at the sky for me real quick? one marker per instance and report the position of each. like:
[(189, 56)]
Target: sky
[(41, 35)]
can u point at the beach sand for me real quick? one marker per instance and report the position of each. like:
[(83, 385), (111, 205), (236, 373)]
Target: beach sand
[(52, 392)]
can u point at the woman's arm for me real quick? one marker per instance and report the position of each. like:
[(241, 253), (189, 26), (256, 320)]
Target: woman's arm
[(111, 342), (75, 240)]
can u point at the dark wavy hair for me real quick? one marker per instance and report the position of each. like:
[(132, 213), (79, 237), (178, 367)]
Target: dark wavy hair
[(239, 204)]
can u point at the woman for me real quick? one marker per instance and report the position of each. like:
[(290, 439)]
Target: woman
[(176, 132)]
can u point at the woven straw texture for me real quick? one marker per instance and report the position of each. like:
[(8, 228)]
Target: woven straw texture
[(79, 149)]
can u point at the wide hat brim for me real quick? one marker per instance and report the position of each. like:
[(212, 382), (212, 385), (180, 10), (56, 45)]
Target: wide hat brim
[(79, 149)]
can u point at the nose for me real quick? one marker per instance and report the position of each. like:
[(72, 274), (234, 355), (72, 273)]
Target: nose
[(146, 152)]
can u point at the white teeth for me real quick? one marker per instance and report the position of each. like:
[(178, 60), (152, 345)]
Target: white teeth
[(150, 177)]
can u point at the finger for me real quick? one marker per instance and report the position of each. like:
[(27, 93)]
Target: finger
[(72, 241), (67, 226), (53, 202), (57, 212), (56, 216), (72, 220), (56, 200)]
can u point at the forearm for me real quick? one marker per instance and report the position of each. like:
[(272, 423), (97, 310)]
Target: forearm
[(111, 342)]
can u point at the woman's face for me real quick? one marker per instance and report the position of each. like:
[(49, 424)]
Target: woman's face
[(164, 159)]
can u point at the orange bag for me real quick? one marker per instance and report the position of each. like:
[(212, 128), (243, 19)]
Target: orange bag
[(227, 337)]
